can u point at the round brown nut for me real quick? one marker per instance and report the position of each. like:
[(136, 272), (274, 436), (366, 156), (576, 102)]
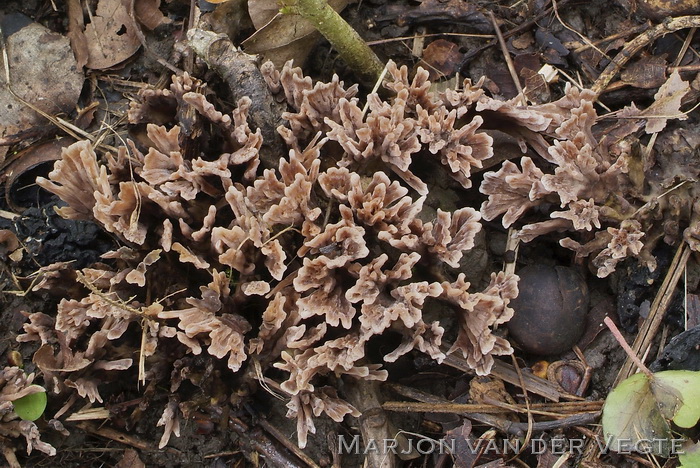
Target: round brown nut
[(550, 311)]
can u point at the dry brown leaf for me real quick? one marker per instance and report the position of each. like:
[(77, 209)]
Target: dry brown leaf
[(43, 72), (667, 105), (536, 87), (76, 32), (523, 41), (111, 35), (148, 13), (463, 440), (130, 459), (262, 11), (31, 158), (648, 72), (442, 59), (283, 29)]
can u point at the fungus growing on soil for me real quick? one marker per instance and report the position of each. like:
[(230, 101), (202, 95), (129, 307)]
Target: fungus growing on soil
[(597, 184), (289, 271)]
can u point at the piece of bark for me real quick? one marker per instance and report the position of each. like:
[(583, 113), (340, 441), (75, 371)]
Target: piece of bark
[(374, 422), (240, 72)]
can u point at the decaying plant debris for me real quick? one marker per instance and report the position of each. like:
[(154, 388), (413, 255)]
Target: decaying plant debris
[(602, 185)]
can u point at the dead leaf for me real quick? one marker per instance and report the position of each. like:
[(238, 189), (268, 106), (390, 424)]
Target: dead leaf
[(130, 459), (76, 32), (486, 390), (464, 443), (437, 11), (86, 115), (262, 11), (283, 29), (536, 87), (31, 158), (111, 35), (548, 460), (43, 72), (667, 103), (442, 59), (647, 72), (148, 13), (523, 41), (9, 245)]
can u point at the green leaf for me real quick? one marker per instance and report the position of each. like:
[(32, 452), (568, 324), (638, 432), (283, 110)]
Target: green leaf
[(691, 456), (30, 407), (640, 409), (631, 413), (678, 392)]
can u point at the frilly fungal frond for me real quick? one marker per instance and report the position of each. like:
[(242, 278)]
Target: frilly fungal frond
[(594, 185), (296, 267)]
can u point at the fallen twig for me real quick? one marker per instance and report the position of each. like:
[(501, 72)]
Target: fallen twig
[(459, 408), (651, 325), (635, 45), (509, 61), (507, 427), (112, 434), (506, 372), (242, 76), (282, 439), (255, 440), (374, 423)]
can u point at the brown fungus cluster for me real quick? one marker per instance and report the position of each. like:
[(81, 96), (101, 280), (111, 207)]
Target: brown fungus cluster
[(587, 176), (285, 274), (286, 271)]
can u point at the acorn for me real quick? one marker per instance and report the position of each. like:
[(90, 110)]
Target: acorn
[(550, 311), (567, 376)]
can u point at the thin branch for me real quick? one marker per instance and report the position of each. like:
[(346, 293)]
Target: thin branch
[(635, 45), (621, 340)]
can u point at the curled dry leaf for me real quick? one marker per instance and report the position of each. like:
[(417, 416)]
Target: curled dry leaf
[(149, 14), (43, 72), (442, 59), (111, 35), (281, 37), (76, 32), (666, 105)]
